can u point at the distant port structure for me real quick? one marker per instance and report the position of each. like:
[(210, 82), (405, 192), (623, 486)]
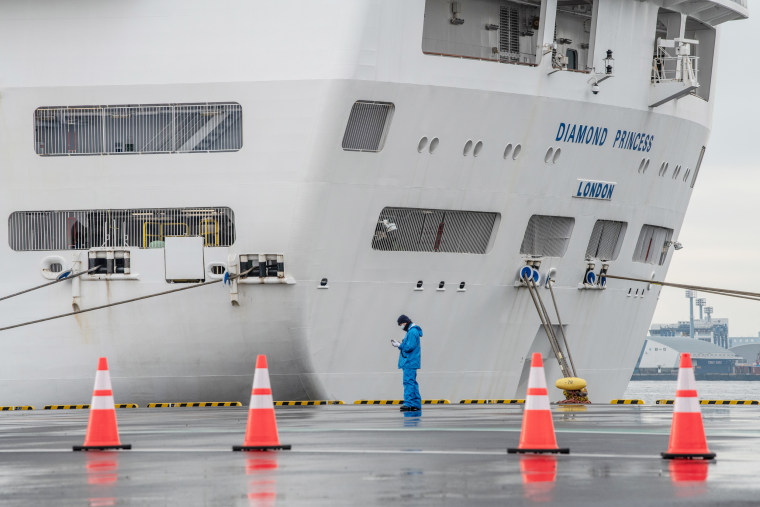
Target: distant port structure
[(716, 356)]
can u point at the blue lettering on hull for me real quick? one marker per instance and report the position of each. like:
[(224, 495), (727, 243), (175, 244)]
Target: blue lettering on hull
[(600, 190)]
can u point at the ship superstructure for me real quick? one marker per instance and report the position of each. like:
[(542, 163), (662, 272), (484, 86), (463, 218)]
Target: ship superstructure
[(354, 159)]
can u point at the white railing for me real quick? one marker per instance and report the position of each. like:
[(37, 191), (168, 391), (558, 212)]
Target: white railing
[(675, 68), (158, 128), (673, 62)]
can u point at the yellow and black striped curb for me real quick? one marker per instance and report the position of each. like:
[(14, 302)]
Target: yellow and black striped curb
[(490, 402), (23, 407), (378, 402), (197, 404), (436, 402), (626, 402), (714, 402), (65, 407), (729, 402), (307, 403), (127, 405)]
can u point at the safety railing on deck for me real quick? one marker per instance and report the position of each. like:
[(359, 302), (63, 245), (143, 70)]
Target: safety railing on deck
[(667, 68), (127, 129)]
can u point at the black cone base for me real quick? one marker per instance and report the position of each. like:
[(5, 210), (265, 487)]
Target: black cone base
[(668, 455), (101, 447), (563, 450), (261, 447)]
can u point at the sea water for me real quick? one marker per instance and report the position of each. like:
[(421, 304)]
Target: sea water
[(652, 390)]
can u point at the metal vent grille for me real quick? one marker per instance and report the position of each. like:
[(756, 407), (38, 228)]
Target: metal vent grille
[(605, 240), (367, 126), (547, 236), (431, 230), (120, 130), (652, 248), (138, 228), (509, 32)]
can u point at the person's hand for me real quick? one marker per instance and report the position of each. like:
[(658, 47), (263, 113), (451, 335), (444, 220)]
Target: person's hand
[(395, 343)]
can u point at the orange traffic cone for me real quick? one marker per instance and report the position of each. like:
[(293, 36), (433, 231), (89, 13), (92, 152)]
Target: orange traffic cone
[(102, 430), (537, 427), (261, 433), (687, 434)]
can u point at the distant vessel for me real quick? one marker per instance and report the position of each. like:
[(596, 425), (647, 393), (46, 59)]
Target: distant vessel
[(357, 159)]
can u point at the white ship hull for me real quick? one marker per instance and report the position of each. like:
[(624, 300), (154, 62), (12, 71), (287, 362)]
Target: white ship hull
[(295, 192)]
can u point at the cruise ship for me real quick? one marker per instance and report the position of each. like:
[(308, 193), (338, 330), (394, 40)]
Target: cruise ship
[(307, 171)]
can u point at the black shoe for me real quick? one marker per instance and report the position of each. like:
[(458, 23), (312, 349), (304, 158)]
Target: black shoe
[(402, 407), (410, 409)]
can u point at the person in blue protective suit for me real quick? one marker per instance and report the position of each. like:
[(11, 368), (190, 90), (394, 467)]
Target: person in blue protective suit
[(409, 360)]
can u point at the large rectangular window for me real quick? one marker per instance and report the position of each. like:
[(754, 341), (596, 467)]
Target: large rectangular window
[(547, 236), (494, 30), (652, 246), (137, 228), (433, 230), (126, 129)]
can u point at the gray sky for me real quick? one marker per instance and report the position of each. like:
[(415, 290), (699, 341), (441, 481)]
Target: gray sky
[(720, 234)]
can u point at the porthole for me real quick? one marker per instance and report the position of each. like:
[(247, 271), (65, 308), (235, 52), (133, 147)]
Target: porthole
[(422, 144), (478, 148), (557, 153), (434, 145), (507, 151), (55, 267), (467, 148), (516, 152), (218, 269), (549, 154)]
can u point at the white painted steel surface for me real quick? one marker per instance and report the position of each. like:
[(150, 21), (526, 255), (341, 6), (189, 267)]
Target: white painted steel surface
[(295, 191)]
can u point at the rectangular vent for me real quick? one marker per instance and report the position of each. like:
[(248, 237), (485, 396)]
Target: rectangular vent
[(367, 126), (652, 246), (605, 240), (509, 32), (432, 230), (135, 228), (547, 236)]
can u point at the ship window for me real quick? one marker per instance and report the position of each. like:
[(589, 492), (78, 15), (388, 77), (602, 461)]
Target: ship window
[(135, 228), (127, 129), (574, 34), (434, 230), (492, 30), (652, 246), (547, 236), (367, 126), (605, 240)]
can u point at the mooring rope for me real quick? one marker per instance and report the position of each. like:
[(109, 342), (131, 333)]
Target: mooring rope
[(58, 280), (195, 286)]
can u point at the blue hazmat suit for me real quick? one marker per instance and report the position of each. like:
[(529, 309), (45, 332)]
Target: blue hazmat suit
[(409, 360)]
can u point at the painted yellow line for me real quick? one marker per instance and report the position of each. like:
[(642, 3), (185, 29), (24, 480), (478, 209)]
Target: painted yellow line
[(626, 402)]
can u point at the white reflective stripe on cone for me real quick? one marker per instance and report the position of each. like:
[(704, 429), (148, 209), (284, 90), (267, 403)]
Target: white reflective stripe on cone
[(261, 378), (102, 403), (537, 403), (537, 377), (261, 401), (686, 380), (686, 404), (102, 380)]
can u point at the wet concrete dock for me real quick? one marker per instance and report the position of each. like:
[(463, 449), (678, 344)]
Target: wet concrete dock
[(375, 455)]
